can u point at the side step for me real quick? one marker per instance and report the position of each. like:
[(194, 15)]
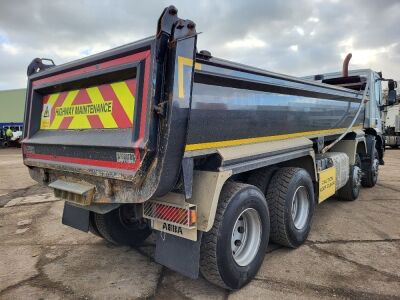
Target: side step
[(73, 192)]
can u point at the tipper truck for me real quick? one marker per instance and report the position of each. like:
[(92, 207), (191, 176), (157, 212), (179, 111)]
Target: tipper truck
[(214, 157)]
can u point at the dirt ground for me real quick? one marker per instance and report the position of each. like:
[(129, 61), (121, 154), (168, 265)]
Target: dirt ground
[(353, 251)]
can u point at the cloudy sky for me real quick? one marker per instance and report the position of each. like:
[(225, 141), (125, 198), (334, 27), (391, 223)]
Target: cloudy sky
[(292, 36)]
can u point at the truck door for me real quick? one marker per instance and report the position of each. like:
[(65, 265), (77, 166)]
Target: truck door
[(375, 101)]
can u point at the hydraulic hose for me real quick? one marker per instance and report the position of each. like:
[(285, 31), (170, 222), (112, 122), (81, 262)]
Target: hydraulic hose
[(363, 101)]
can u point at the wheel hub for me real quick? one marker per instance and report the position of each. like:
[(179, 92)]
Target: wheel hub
[(375, 168), (357, 176), (300, 207), (246, 237)]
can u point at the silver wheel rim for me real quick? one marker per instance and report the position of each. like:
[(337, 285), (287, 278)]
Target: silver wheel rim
[(300, 207), (246, 237), (356, 176), (375, 168)]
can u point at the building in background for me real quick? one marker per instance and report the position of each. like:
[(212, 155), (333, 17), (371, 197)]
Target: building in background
[(12, 105)]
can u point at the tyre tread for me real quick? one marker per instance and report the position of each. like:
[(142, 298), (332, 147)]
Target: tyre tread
[(276, 197), (346, 192), (261, 178), (102, 227), (368, 180)]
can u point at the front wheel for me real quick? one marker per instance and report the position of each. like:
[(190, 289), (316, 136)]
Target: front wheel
[(233, 250), (351, 190), (370, 176), (121, 226)]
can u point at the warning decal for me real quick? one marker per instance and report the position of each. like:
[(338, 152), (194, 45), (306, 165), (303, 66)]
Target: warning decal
[(104, 106), (327, 183), (45, 121)]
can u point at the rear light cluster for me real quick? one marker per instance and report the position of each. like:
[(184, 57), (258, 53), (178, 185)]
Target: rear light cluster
[(184, 216)]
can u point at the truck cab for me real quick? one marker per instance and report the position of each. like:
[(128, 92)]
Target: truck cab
[(372, 121)]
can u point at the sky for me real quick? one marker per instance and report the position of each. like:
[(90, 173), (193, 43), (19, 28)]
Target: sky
[(296, 37)]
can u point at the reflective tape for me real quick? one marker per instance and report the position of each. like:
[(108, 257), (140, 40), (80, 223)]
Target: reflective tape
[(104, 106)]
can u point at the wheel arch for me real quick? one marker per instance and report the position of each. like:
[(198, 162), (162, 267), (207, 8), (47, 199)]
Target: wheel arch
[(353, 143)]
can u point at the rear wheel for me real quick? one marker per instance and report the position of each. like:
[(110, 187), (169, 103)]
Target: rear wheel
[(370, 176), (233, 250), (291, 202), (351, 190), (92, 225), (261, 178), (121, 226)]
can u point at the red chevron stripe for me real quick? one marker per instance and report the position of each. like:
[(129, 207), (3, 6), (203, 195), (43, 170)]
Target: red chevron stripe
[(95, 122), (118, 111), (65, 123)]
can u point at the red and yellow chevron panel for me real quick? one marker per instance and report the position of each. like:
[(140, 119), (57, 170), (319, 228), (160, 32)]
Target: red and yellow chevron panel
[(107, 106)]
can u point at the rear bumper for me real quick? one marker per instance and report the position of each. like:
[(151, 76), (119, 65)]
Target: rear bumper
[(106, 191)]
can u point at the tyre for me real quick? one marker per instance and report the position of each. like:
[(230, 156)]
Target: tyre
[(120, 227), (261, 178), (92, 225), (290, 197), (370, 176), (394, 146), (233, 250), (351, 190)]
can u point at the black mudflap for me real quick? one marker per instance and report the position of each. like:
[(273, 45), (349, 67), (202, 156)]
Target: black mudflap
[(179, 254), (76, 217)]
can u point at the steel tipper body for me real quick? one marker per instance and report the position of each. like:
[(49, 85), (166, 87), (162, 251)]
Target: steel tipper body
[(233, 104), (215, 157)]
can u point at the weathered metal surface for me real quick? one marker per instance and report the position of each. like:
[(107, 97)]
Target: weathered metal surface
[(234, 105)]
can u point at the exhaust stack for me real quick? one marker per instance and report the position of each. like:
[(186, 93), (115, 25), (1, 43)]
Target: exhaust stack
[(345, 69)]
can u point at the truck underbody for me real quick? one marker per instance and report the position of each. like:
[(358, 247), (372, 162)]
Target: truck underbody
[(215, 157)]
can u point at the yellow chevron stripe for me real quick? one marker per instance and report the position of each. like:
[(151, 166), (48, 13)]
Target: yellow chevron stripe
[(125, 97), (107, 119), (67, 102), (53, 98), (79, 122)]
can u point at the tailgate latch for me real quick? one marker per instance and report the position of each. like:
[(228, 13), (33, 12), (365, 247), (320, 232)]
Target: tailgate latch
[(74, 192)]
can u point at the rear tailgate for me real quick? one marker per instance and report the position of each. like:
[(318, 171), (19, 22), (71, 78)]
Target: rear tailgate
[(91, 116)]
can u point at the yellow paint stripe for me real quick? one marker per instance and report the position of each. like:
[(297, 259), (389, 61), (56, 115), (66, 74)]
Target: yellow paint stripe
[(125, 97), (53, 99), (67, 102), (79, 122), (97, 98), (202, 146), (184, 61)]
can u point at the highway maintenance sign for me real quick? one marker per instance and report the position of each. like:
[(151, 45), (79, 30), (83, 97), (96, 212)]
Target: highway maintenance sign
[(105, 106)]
